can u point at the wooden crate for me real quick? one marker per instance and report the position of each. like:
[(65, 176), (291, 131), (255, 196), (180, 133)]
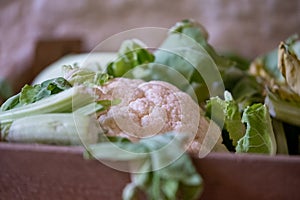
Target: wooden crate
[(55, 172)]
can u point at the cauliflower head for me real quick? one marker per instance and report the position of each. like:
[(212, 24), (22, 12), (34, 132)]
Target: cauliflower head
[(150, 108)]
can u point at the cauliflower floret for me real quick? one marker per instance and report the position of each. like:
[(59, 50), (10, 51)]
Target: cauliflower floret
[(150, 108)]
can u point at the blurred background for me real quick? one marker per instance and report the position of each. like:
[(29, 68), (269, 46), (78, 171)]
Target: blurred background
[(247, 27)]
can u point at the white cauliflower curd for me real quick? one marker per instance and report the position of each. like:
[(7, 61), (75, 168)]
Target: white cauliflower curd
[(150, 108)]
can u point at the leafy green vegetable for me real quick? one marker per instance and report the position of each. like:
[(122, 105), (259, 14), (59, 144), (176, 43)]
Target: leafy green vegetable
[(259, 136), (256, 137), (55, 128), (245, 88), (132, 53), (241, 63), (187, 51), (197, 32), (266, 66), (11, 102), (281, 141), (6, 89), (66, 101), (227, 109), (279, 71), (156, 167), (30, 94), (186, 60), (84, 76), (248, 91), (285, 107), (95, 107)]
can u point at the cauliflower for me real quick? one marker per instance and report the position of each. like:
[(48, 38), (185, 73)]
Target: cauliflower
[(149, 108)]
